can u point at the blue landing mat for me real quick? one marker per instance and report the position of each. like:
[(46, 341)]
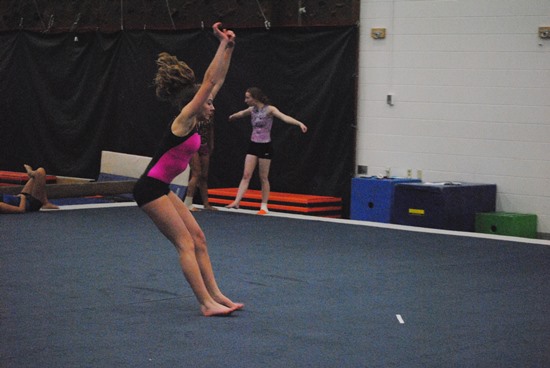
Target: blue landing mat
[(102, 288)]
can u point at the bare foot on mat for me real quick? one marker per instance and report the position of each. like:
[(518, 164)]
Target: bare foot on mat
[(215, 309)]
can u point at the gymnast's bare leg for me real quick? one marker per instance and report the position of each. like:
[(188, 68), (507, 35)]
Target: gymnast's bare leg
[(36, 186), (177, 223), (250, 163)]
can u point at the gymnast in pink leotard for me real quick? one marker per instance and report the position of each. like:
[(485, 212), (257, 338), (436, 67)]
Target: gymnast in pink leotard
[(171, 159), (175, 82)]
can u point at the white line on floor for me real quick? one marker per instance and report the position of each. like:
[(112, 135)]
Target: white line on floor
[(344, 221), (400, 319)]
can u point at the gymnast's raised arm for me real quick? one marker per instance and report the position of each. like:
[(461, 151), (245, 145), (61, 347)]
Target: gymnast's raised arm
[(214, 76)]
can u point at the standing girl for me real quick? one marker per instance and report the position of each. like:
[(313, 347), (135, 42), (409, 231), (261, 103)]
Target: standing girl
[(260, 149), (200, 164)]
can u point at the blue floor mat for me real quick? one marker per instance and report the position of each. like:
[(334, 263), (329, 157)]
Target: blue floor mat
[(103, 288)]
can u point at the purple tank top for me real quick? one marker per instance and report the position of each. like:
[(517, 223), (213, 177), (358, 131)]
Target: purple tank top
[(261, 125)]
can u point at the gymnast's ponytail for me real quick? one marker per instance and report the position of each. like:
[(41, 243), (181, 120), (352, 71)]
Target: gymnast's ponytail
[(174, 81)]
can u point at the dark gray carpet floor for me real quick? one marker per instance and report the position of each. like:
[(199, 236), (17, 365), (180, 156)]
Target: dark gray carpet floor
[(103, 288)]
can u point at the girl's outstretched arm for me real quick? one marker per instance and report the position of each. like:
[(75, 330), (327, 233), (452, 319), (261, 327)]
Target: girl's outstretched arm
[(240, 114), (287, 119)]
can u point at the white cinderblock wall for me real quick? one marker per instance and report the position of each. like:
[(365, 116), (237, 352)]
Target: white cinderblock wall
[(470, 81)]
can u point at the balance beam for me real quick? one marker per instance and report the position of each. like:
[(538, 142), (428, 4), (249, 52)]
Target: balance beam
[(104, 188)]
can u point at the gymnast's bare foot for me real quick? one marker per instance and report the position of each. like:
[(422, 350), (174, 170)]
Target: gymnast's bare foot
[(50, 206), (232, 205), (29, 170), (210, 208), (223, 300), (215, 309)]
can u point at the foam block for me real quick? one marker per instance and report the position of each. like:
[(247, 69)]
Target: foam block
[(372, 198), (446, 205), (507, 223), (304, 204), (13, 177)]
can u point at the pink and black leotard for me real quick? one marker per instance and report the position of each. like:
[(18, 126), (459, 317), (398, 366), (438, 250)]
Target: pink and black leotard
[(170, 160)]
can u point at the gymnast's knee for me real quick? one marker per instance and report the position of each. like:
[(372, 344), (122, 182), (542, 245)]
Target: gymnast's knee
[(40, 172), (200, 242)]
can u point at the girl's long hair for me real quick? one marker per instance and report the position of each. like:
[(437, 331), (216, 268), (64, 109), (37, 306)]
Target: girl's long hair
[(174, 81)]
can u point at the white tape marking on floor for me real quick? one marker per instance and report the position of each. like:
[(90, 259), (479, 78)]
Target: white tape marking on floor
[(400, 319)]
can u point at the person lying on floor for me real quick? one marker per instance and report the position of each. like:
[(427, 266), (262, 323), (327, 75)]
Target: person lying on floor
[(33, 196)]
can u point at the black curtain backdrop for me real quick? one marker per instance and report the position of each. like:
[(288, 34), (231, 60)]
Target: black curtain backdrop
[(66, 97)]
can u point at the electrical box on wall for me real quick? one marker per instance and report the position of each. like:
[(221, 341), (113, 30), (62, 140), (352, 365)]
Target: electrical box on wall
[(378, 33), (544, 32)]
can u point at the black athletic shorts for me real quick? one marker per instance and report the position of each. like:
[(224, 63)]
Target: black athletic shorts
[(32, 204), (261, 150), (148, 189)]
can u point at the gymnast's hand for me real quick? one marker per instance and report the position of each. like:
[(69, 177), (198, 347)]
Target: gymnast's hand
[(223, 35)]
